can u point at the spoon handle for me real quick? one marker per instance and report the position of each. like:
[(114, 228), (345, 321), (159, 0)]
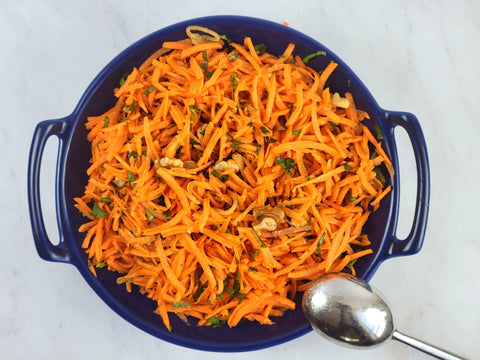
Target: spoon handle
[(426, 348)]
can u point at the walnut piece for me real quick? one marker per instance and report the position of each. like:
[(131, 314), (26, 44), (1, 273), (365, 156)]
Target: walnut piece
[(339, 101), (224, 165), (168, 163)]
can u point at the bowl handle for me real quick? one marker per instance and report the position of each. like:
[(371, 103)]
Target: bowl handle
[(414, 240), (45, 248)]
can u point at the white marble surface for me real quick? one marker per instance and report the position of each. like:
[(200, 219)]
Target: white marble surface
[(417, 56)]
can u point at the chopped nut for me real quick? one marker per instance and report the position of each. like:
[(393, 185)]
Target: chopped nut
[(239, 161), (339, 101), (201, 131), (275, 213), (267, 223), (119, 182), (224, 165), (189, 164), (168, 163)]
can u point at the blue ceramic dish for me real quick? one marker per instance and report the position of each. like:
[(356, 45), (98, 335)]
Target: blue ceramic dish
[(74, 154)]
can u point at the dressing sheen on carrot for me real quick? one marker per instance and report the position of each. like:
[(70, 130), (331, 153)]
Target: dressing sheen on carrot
[(225, 179)]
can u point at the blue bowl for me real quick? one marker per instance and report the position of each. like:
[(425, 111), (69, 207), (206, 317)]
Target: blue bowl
[(74, 155)]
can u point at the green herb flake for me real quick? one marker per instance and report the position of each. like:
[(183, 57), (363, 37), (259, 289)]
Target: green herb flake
[(240, 296), (334, 127), (216, 322), (105, 200), (307, 58), (131, 108), (236, 144), (259, 147), (261, 48), (204, 65), (124, 78), (133, 154), (225, 38), (379, 132), (352, 198), (96, 211), (379, 175), (168, 214), (149, 90), (269, 139), (193, 109), (234, 56), (131, 178), (149, 215), (320, 242), (262, 244), (296, 132), (196, 294), (252, 269), (101, 265), (287, 163), (264, 130), (351, 263), (347, 167), (222, 178), (106, 122), (219, 297), (180, 304), (233, 79)]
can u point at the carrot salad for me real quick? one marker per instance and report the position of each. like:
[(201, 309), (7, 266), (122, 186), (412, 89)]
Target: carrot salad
[(225, 179)]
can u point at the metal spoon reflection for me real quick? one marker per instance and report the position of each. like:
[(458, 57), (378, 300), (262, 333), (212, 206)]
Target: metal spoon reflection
[(347, 310)]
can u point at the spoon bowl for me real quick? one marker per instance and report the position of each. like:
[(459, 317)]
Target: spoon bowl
[(347, 310)]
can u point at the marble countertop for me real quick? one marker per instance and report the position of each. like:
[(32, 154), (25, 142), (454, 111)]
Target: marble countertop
[(417, 56)]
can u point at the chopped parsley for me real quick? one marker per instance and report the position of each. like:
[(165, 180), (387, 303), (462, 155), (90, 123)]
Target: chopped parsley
[(193, 109), (106, 122), (261, 48), (307, 58), (320, 242), (149, 215), (379, 132), (168, 214), (199, 291), (149, 90), (222, 178), (379, 174), (124, 78), (226, 39), (105, 200), (216, 322), (96, 211), (133, 154), (233, 79), (296, 132), (334, 127), (270, 139), (236, 144), (264, 130), (347, 167), (180, 304), (287, 163), (234, 56), (204, 65), (131, 178)]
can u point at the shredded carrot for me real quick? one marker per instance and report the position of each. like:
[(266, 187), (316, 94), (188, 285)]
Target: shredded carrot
[(226, 179)]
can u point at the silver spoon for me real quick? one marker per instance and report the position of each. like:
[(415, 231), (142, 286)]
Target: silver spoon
[(349, 311)]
